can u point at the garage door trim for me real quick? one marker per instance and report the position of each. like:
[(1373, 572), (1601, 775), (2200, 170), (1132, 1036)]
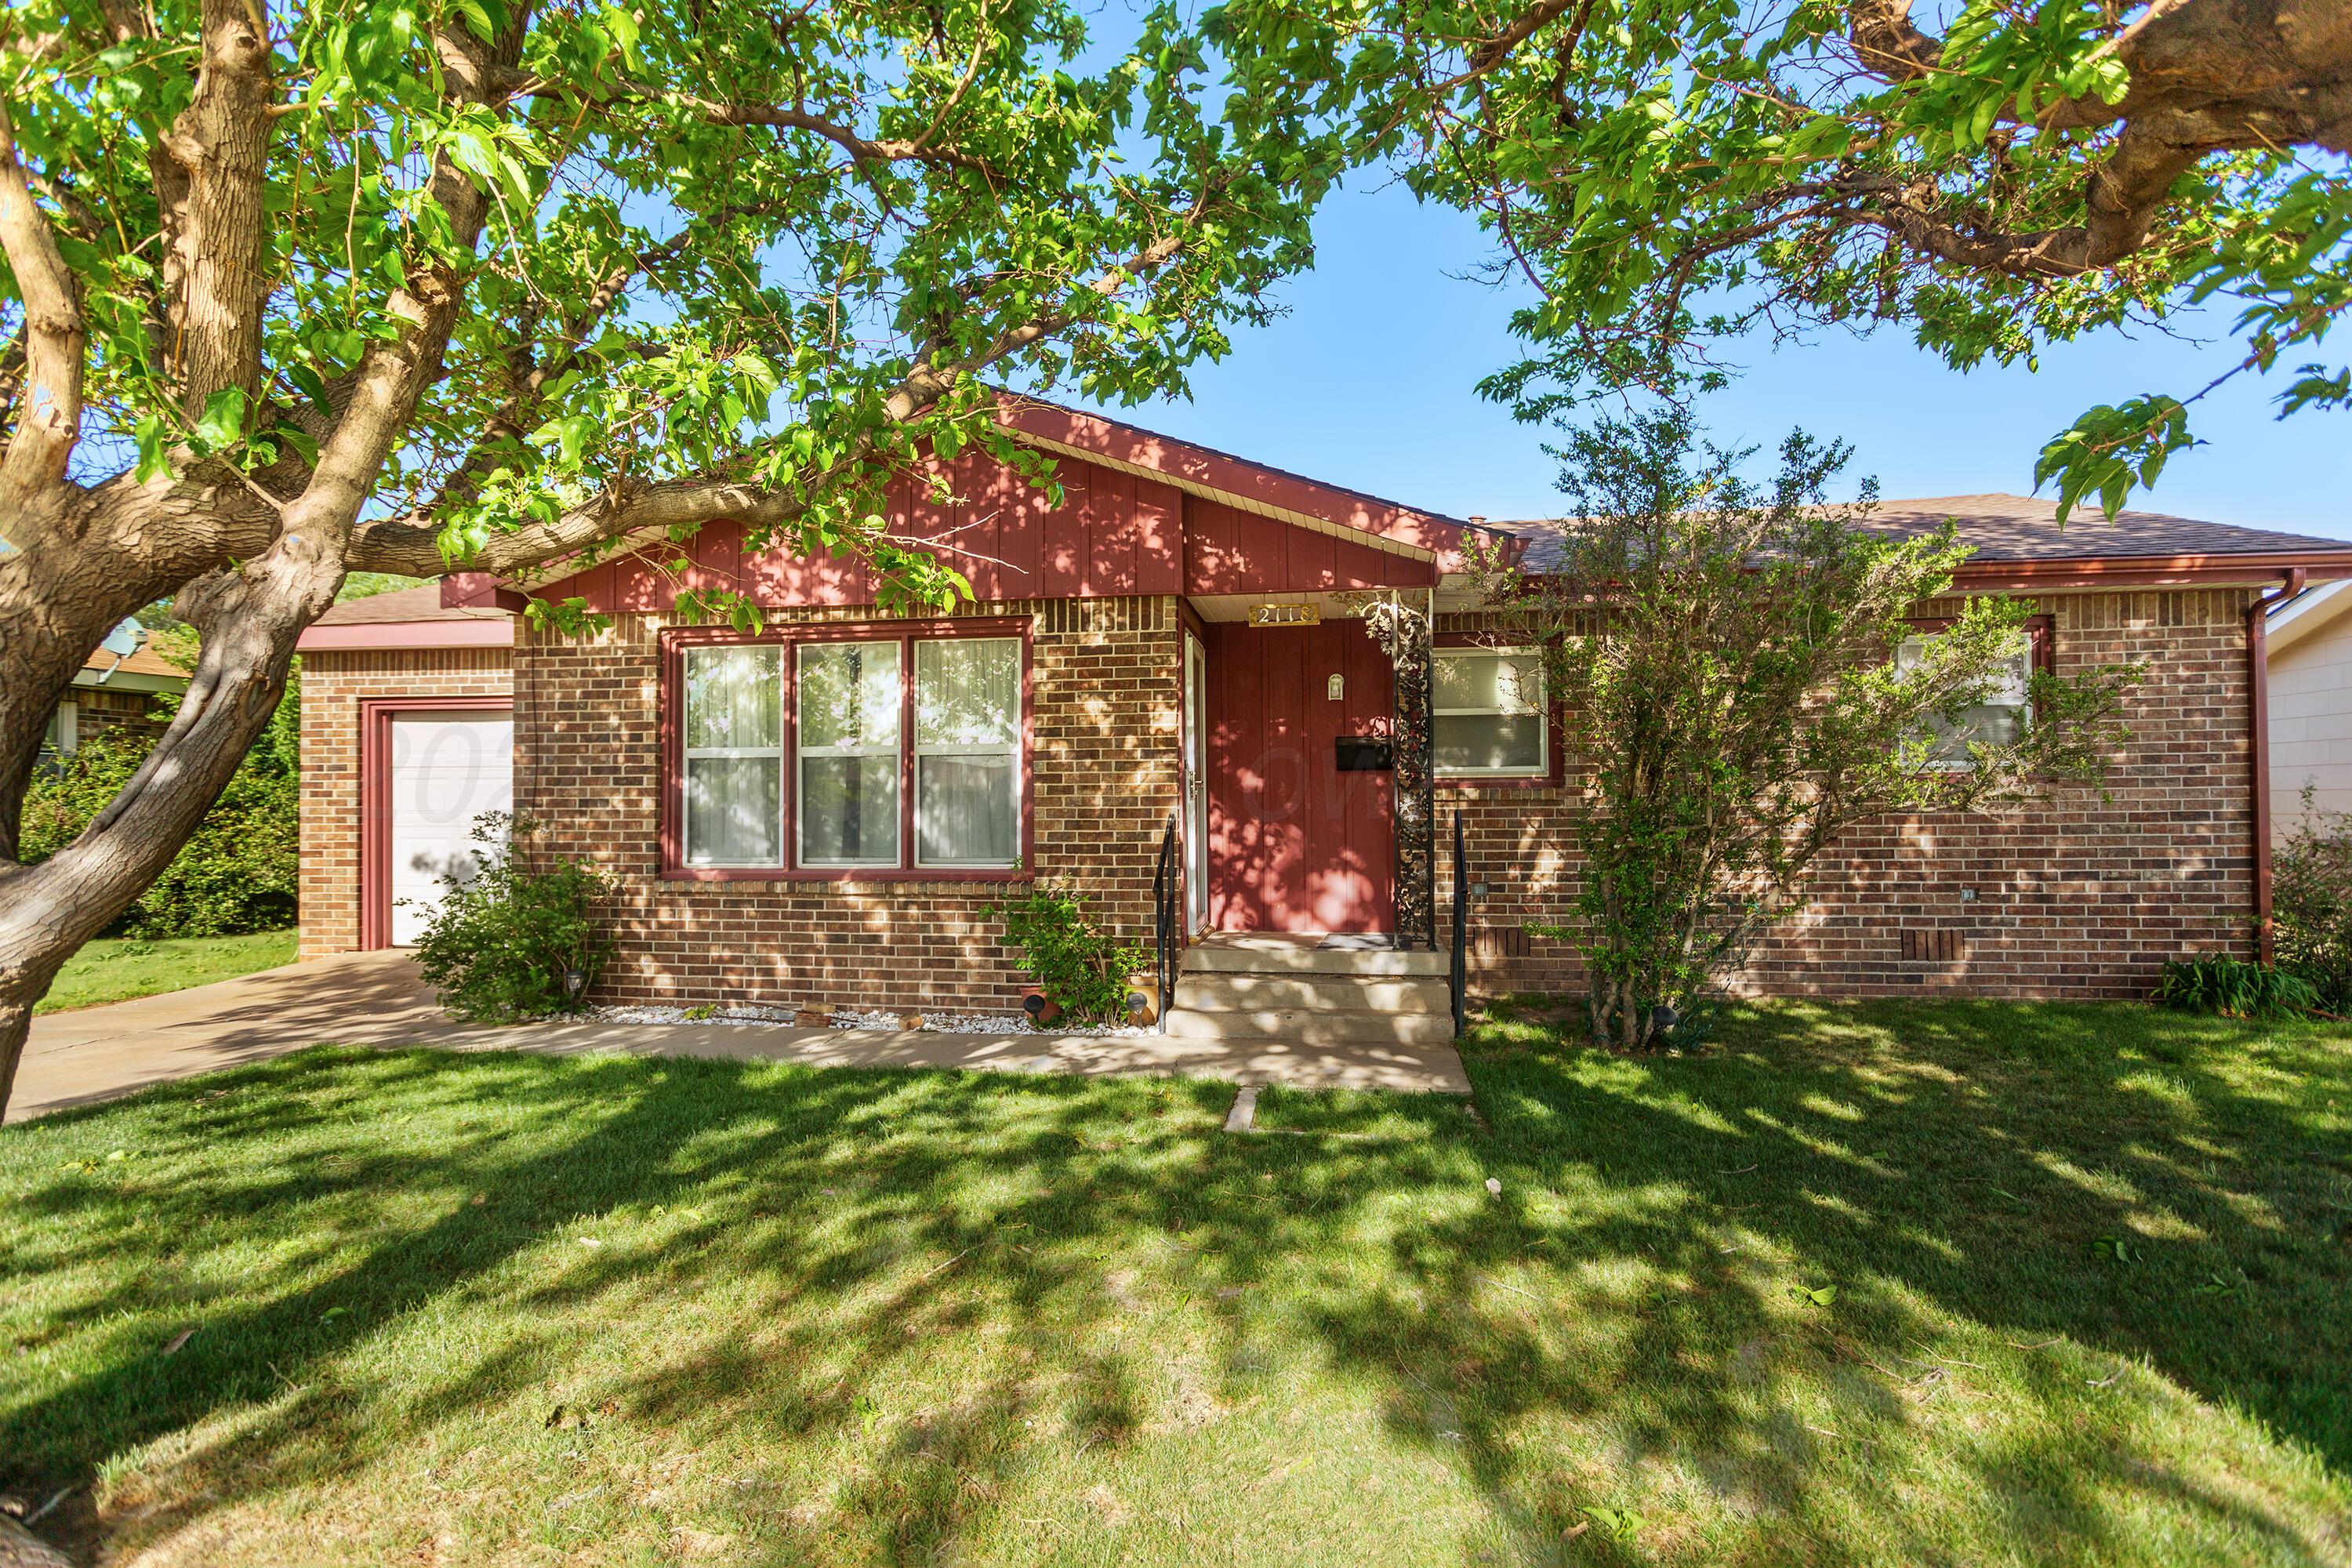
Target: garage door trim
[(376, 714)]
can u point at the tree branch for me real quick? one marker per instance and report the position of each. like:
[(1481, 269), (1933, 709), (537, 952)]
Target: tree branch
[(48, 418), (1888, 42), (212, 280), (863, 150), (410, 545)]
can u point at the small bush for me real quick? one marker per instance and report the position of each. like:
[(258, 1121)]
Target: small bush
[(1079, 966), (498, 948), (2310, 905), (238, 871), (2232, 987)]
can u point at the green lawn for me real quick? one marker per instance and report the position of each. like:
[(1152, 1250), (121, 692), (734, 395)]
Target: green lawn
[(119, 968), (1846, 1288)]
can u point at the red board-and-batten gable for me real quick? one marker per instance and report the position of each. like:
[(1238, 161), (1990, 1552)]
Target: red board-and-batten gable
[(1140, 514)]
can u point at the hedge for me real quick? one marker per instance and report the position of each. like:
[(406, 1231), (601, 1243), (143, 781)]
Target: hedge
[(237, 873)]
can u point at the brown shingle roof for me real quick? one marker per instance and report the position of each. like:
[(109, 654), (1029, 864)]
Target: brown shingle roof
[(2026, 527), (140, 660), (403, 606)]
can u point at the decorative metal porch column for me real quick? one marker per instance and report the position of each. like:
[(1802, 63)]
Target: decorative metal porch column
[(1402, 629)]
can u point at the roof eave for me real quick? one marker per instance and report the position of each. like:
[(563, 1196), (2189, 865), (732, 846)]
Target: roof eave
[(353, 637), (2255, 569)]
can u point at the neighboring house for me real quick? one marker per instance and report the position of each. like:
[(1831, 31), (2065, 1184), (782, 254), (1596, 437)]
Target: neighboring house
[(825, 812), (2310, 659), (116, 689)]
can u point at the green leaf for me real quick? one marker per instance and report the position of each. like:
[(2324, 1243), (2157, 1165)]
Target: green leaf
[(155, 459), (311, 386), (222, 423)]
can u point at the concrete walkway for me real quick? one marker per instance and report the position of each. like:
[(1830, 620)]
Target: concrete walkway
[(378, 999)]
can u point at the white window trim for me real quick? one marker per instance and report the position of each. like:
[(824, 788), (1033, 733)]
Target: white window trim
[(1007, 749), (695, 754), (894, 751), (62, 734), (1540, 710)]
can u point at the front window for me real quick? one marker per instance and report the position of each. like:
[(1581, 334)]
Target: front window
[(1997, 720), (1489, 713), (967, 752), (900, 753), (734, 756), (849, 712)]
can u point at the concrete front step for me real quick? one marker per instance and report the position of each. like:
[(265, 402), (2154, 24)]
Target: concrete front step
[(1214, 991), (1305, 1026), (1230, 955)]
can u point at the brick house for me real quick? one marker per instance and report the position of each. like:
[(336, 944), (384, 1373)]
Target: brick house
[(115, 689), (823, 813)]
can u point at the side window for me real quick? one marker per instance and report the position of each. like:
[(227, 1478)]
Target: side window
[(1489, 713), (1999, 719)]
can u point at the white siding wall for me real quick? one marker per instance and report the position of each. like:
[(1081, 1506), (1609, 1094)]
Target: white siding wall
[(2310, 723)]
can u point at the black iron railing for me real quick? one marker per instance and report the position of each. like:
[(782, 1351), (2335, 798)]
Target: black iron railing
[(1458, 973), (1167, 925)]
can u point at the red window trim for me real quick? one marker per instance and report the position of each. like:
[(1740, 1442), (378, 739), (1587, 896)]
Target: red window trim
[(375, 800), (670, 823), (1555, 774)]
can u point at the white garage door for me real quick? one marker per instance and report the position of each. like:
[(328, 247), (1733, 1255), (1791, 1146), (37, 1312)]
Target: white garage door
[(447, 769)]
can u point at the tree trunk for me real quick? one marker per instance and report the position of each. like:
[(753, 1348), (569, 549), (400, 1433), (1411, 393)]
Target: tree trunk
[(98, 555), (213, 274), (250, 616)]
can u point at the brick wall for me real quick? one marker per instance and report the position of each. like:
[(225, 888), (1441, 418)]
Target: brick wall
[(2082, 896), (334, 684), (98, 710), (1105, 763)]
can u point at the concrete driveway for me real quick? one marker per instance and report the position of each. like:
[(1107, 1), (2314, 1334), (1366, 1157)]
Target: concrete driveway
[(378, 999)]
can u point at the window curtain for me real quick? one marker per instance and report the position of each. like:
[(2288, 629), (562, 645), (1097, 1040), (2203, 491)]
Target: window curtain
[(967, 746), (849, 705), (734, 757)]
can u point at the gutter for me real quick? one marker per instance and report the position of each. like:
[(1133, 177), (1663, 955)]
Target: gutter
[(2258, 714)]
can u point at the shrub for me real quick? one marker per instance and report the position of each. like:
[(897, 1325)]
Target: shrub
[(237, 873), (1740, 681), (2233, 988), (2310, 905), (498, 948), (1079, 966)]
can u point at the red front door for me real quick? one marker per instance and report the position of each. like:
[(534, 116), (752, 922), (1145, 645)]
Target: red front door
[(1295, 843)]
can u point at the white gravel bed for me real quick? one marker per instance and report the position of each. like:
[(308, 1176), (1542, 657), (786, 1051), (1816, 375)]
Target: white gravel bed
[(752, 1016)]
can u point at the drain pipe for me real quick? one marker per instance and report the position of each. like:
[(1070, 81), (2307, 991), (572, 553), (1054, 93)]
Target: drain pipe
[(2257, 705)]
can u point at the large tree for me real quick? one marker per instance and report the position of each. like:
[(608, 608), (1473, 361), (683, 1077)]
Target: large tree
[(1668, 174), (298, 288)]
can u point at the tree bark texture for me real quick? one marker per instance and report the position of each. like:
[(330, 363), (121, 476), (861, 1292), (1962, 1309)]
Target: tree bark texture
[(213, 281)]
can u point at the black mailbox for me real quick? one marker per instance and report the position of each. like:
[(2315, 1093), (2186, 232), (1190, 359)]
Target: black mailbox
[(1363, 753)]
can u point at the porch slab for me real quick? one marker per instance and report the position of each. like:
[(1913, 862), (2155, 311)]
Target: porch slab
[(378, 999)]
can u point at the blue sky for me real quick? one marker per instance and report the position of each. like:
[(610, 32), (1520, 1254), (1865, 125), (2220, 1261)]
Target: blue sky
[(1369, 381)]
